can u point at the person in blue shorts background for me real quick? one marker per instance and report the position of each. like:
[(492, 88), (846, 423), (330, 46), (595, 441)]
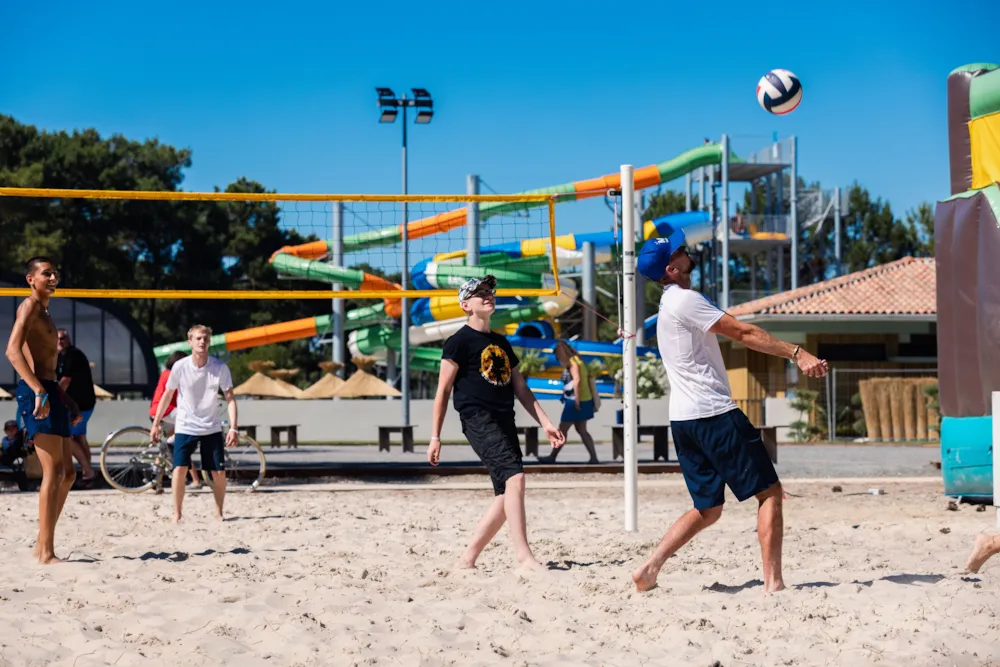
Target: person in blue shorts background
[(716, 444), (76, 379)]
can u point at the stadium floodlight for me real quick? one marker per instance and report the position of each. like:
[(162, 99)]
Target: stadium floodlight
[(389, 105)]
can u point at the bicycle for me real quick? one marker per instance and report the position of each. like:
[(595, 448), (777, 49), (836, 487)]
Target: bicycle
[(146, 462)]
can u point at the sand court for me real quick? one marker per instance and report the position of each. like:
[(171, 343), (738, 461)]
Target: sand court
[(320, 575)]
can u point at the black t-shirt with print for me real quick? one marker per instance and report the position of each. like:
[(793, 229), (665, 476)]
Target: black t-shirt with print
[(486, 362)]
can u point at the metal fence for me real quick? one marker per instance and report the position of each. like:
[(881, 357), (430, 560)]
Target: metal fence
[(840, 399)]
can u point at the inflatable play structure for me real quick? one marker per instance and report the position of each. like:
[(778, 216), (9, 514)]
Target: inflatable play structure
[(967, 242), (529, 323)]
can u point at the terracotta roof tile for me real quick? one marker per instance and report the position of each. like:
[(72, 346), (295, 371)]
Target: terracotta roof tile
[(904, 287)]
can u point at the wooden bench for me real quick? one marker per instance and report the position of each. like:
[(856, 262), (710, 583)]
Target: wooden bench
[(661, 440), (292, 440), (250, 430), (405, 431), (530, 434)]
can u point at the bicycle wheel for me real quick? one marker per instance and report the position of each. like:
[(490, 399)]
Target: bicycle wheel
[(245, 466), (131, 462)]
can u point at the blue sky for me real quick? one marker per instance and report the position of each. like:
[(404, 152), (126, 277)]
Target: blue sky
[(527, 94)]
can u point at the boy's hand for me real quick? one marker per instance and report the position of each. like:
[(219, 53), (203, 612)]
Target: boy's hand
[(555, 436), (434, 451)]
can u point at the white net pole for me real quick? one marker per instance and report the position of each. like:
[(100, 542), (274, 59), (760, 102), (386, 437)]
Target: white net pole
[(628, 350), (996, 455)]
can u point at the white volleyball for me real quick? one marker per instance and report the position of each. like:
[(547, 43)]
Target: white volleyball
[(779, 91)]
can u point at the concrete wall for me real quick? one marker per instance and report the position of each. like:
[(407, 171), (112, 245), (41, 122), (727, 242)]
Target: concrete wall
[(355, 420), (778, 412), (352, 420)]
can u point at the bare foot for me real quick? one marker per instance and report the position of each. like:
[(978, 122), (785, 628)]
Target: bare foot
[(219, 517), (532, 565), (985, 547), (464, 564), (774, 587), (48, 559), (644, 579), (178, 518)]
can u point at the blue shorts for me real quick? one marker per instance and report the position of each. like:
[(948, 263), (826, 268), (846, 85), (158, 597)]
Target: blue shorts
[(213, 456), (719, 451), (81, 428), (571, 415), (57, 421)]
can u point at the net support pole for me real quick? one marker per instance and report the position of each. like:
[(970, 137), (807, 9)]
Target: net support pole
[(836, 230), (337, 259), (628, 350), (996, 455), (472, 222), (687, 191), (794, 221), (724, 223), (640, 281), (589, 291)]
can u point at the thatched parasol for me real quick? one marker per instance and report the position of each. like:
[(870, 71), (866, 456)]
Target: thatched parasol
[(260, 385), (4, 396), (328, 384), (102, 394), (363, 383), (282, 377)]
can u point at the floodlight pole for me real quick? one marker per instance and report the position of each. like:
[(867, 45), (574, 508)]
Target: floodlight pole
[(404, 320), (628, 349)]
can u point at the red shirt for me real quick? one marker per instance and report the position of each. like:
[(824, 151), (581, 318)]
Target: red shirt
[(161, 387)]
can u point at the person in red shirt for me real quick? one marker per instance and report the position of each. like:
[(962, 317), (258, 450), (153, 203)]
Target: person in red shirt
[(161, 388)]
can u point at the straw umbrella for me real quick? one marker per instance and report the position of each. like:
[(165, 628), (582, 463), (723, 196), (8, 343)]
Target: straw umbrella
[(4, 396), (262, 386), (102, 394), (363, 383), (282, 377), (328, 384)]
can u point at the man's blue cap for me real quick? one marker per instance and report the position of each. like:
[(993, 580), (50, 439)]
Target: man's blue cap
[(656, 253)]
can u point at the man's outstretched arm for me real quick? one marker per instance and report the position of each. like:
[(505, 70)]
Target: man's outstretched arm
[(757, 339)]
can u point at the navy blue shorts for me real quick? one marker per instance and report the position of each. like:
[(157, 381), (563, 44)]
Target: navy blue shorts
[(719, 451), (57, 421), (213, 455)]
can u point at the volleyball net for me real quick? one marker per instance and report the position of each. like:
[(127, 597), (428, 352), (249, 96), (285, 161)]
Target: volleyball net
[(325, 246)]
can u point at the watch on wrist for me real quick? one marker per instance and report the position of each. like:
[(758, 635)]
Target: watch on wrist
[(795, 352)]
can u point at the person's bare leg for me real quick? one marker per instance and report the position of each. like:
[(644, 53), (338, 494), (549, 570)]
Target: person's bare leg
[(680, 533), (81, 452), (177, 482), (770, 531), (218, 490), (588, 440), (513, 505), (195, 476), (49, 449), (493, 519), (68, 478), (985, 547)]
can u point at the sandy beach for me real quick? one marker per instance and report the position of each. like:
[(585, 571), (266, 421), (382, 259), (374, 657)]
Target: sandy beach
[(357, 574)]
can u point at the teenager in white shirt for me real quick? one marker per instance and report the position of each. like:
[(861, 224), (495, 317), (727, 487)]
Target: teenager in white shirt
[(198, 379), (715, 442)]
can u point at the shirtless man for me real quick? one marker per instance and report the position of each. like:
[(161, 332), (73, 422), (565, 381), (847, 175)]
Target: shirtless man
[(45, 410)]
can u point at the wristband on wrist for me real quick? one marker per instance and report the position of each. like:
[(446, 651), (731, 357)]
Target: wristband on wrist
[(434, 437)]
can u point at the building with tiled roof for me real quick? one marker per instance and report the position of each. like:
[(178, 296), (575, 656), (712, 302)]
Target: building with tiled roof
[(884, 318)]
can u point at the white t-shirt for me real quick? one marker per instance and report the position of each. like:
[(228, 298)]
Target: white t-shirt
[(699, 385), (198, 395)]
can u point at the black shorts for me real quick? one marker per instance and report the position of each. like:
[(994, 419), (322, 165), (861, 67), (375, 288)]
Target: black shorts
[(493, 437), (722, 450)]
